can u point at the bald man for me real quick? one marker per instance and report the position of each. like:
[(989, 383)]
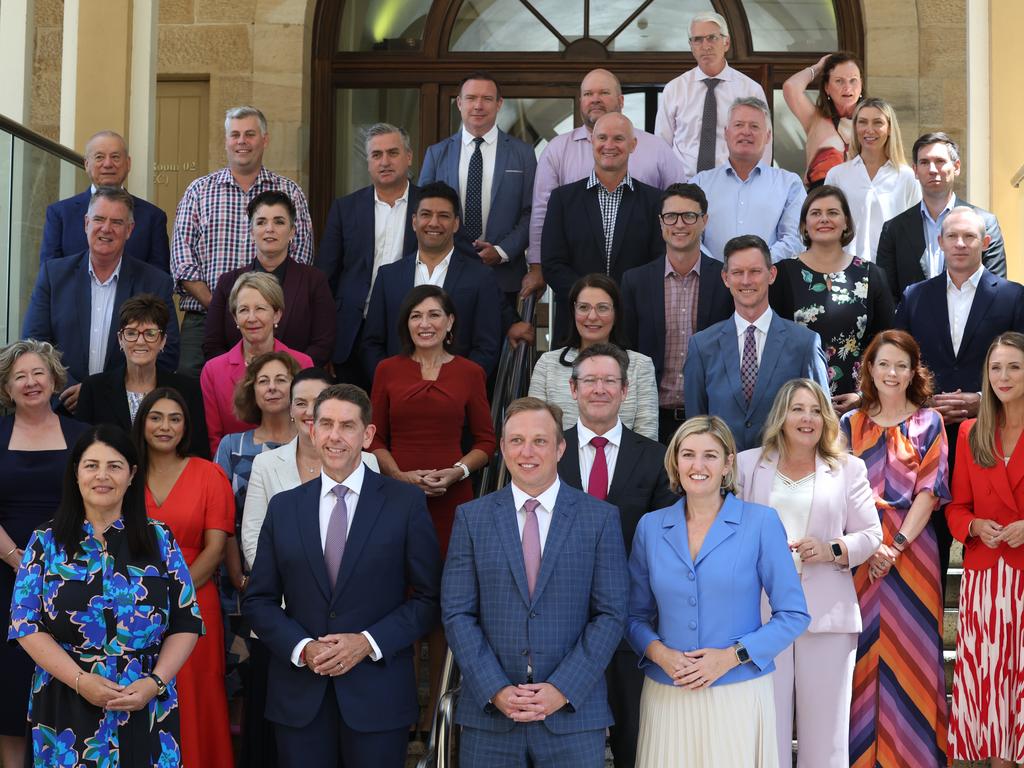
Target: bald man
[(606, 222), (569, 157)]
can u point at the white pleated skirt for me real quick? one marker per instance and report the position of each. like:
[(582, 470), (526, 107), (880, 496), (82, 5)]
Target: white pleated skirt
[(724, 726)]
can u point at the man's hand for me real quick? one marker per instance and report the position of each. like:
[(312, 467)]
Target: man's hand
[(533, 281), (488, 253), (520, 332), (199, 291), (956, 406), (529, 702), (844, 403), (69, 397), (342, 652)]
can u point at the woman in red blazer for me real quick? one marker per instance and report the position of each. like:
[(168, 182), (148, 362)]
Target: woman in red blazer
[(987, 515)]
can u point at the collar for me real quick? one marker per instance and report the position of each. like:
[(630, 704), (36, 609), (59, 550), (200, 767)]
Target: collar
[(757, 170), (446, 260), (858, 160), (546, 499), (92, 189), (404, 197), (949, 206), (727, 73), (224, 176), (354, 482), (489, 138), (763, 323), (585, 434), (669, 269), (973, 280), (627, 180), (113, 277), (279, 273), (581, 134)]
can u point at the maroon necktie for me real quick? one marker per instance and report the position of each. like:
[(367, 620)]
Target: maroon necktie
[(597, 484)]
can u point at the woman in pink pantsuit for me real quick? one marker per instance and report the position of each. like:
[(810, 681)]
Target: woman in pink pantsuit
[(823, 498)]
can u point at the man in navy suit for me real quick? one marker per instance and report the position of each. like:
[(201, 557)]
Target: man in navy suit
[(533, 601), (76, 300), (614, 464), (355, 559), (954, 317), (479, 304), (668, 300), (606, 223), (107, 164), (365, 230), (493, 173), (734, 368)]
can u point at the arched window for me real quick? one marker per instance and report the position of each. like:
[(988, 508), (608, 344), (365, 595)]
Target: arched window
[(401, 61)]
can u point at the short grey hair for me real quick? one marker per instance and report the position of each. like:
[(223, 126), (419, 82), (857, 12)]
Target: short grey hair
[(966, 210), (108, 134), (10, 354), (385, 129), (264, 283), (239, 113), (715, 18), (114, 195), (753, 102)]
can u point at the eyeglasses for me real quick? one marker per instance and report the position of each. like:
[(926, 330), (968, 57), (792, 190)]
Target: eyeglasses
[(150, 334), (591, 381), (701, 39), (671, 218), (603, 309)]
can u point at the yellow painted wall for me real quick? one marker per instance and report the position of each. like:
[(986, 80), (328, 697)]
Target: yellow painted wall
[(104, 68), (1007, 115)]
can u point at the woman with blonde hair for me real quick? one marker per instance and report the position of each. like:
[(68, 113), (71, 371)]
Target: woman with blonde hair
[(822, 495), (695, 616)]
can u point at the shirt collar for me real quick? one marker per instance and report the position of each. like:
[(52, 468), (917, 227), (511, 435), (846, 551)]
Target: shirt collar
[(943, 212), (489, 138), (581, 134), (727, 73), (669, 269), (858, 160), (614, 434), (763, 323), (973, 280), (592, 182), (404, 197), (113, 276), (757, 170), (354, 482), (445, 261), (546, 499), (223, 176)]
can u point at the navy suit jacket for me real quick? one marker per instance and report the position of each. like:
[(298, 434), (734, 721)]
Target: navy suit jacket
[(60, 308), (387, 585), (570, 627), (901, 246), (508, 221), (643, 306), (474, 291), (346, 256), (64, 232), (711, 375)]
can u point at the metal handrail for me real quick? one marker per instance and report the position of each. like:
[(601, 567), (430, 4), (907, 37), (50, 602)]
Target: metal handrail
[(29, 136), (441, 747)]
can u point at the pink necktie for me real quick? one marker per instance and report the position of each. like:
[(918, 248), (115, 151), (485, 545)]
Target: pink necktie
[(748, 364), (337, 533), (531, 544), (597, 484)]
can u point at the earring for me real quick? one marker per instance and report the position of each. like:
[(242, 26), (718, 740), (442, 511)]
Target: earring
[(275, 325), (449, 338)]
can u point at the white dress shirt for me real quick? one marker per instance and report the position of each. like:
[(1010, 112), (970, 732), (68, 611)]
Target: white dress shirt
[(489, 151), (354, 483), (388, 234), (958, 304), (101, 315), (762, 324), (873, 201), (681, 111), (588, 452), (424, 276), (543, 511)]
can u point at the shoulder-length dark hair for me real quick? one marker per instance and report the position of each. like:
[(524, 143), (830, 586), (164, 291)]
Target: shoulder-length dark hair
[(244, 400), (816, 194), (413, 299), (825, 106), (139, 427), (920, 387), (70, 514), (572, 339)]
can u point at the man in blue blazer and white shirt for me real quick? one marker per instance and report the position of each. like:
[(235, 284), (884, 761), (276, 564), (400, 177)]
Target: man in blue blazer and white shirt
[(355, 559), (76, 299), (734, 368), (493, 173), (107, 164), (533, 601)]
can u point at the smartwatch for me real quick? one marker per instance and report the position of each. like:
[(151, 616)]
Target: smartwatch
[(161, 686), (837, 550), (741, 653), (900, 541)]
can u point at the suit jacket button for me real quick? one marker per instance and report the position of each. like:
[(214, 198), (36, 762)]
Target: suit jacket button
[(693, 625), (690, 576), (533, 614), (748, 425), (526, 652), (334, 615)]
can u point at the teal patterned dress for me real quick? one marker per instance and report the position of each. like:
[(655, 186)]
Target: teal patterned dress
[(111, 614)]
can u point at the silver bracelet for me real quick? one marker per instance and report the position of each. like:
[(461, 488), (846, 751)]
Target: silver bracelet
[(13, 550)]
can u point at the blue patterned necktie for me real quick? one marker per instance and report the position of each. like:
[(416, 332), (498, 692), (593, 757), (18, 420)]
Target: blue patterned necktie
[(708, 127), (474, 222), (748, 366)]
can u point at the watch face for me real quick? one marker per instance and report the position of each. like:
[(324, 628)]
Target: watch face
[(900, 539), (742, 654), (836, 549)]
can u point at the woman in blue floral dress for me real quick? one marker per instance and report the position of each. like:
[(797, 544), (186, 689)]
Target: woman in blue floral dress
[(843, 298), (105, 606)]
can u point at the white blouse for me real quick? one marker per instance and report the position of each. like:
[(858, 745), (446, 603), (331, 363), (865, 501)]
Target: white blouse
[(792, 500)]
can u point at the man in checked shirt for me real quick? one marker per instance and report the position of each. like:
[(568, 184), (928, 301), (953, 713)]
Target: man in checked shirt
[(211, 227)]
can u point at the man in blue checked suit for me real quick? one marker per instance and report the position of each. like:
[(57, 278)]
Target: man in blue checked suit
[(533, 601)]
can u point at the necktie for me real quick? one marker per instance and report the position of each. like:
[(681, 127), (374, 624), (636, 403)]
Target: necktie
[(708, 127), (531, 544), (337, 533), (597, 485), (748, 365), (474, 185)]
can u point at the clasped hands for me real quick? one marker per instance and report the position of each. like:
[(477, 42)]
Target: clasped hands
[(529, 702), (992, 534), (692, 669), (106, 694), (335, 655), (433, 482)]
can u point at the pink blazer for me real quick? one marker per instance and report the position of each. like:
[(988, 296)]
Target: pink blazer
[(842, 507)]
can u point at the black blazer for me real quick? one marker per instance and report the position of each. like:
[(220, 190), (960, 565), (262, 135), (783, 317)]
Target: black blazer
[(643, 305), (640, 483), (103, 399), (901, 245)]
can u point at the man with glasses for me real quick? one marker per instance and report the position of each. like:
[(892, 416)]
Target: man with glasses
[(694, 107), (614, 464), (670, 299)]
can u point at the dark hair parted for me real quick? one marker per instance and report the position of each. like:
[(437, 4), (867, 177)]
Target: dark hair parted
[(572, 339), (818, 193), (144, 308), (309, 374), (936, 137), (687, 191), (245, 390), (743, 243), (616, 353), (346, 393), (413, 299), (70, 514), (825, 106), (438, 189), (139, 425), (271, 197), (480, 74), (920, 387)]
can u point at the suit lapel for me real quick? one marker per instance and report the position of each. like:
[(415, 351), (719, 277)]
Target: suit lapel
[(593, 209), (914, 245), (452, 162), (656, 299), (1006, 476), (625, 463), (821, 496), (561, 523), (308, 519), (83, 296), (774, 346), (622, 221), (454, 273), (409, 243), (983, 298), (705, 292), (367, 511), (762, 478), (935, 303), (729, 349), (125, 288), (569, 466), (676, 533), (507, 526), (722, 528), (363, 234), (500, 161), (293, 291)]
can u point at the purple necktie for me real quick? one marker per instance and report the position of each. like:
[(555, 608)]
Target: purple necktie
[(597, 483), (337, 533), (748, 365), (531, 544)]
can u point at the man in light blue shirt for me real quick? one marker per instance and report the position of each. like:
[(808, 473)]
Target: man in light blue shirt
[(746, 195)]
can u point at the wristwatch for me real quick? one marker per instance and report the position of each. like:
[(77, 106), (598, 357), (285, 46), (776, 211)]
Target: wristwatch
[(161, 686), (742, 656), (900, 541), (837, 551), (463, 467)]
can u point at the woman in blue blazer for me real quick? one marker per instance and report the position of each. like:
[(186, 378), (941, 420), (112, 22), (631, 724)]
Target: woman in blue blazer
[(697, 571)]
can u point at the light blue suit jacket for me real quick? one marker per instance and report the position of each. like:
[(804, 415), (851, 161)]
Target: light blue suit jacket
[(570, 627), (715, 600), (711, 374)]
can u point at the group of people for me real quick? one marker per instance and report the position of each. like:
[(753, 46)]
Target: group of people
[(730, 481)]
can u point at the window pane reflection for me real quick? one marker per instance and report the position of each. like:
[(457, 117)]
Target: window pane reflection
[(501, 25), (382, 25), (663, 26), (789, 135), (792, 25), (358, 109), (535, 121)]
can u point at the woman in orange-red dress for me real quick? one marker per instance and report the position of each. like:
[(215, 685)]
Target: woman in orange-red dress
[(193, 497)]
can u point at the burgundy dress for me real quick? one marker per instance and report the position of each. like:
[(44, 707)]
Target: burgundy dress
[(422, 424)]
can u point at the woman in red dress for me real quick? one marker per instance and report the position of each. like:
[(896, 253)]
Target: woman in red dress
[(423, 399), (193, 497)]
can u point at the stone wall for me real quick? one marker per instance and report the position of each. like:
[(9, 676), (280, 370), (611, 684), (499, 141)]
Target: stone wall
[(44, 114)]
